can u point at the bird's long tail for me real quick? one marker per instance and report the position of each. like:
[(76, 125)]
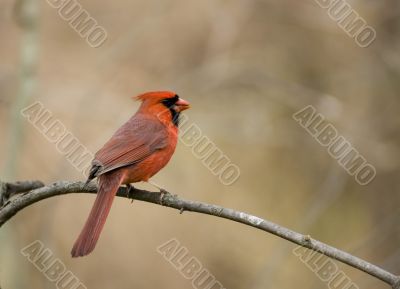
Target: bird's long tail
[(108, 187)]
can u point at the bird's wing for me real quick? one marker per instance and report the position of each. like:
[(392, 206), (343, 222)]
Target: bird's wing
[(133, 142)]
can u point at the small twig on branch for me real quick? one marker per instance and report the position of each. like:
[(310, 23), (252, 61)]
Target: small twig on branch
[(19, 202)]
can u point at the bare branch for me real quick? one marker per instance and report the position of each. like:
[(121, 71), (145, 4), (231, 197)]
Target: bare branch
[(20, 201), (7, 190)]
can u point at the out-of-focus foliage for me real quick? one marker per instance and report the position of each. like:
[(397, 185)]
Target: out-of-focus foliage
[(246, 67)]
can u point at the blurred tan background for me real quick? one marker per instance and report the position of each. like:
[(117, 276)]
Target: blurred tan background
[(246, 67)]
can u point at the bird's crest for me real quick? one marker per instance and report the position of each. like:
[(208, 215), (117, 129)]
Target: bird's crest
[(155, 95)]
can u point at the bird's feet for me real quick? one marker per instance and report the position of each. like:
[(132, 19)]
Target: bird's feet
[(129, 192), (162, 191), (162, 195)]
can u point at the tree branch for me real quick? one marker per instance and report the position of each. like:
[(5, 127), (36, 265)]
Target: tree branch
[(23, 194)]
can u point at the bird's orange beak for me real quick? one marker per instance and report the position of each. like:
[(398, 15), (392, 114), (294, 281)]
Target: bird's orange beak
[(182, 104)]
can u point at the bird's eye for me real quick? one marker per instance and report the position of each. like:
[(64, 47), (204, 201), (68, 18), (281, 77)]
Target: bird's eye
[(169, 102)]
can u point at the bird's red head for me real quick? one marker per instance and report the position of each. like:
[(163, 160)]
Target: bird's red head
[(166, 105)]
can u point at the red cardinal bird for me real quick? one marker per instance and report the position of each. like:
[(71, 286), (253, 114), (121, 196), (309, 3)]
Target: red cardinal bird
[(136, 152)]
